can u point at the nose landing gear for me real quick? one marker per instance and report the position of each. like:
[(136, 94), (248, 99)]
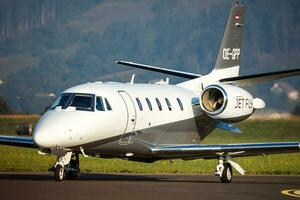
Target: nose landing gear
[(67, 165)]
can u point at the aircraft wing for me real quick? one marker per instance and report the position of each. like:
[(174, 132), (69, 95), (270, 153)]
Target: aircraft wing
[(160, 69), (209, 151), (256, 78), (17, 141)]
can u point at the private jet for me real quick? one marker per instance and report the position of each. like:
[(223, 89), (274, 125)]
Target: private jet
[(161, 121)]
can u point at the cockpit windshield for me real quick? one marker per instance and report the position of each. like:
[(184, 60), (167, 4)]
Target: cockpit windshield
[(61, 100), (79, 101), (83, 102)]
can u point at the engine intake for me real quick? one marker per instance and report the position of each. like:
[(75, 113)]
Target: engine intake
[(228, 103), (214, 99)]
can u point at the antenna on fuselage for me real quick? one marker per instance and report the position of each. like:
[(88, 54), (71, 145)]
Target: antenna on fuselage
[(132, 79), (167, 80)]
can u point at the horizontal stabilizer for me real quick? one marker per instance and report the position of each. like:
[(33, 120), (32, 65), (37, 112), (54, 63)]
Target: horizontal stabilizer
[(257, 78), (160, 70)]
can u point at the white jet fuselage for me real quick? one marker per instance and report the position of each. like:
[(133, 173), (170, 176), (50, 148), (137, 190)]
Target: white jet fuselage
[(136, 109)]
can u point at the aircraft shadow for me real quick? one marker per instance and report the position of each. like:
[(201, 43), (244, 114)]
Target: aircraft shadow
[(23, 176), (144, 178), (137, 177)]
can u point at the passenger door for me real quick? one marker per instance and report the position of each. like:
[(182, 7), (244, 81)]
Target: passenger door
[(131, 118)]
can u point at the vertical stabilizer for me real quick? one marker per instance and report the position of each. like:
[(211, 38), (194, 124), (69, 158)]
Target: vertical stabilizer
[(229, 55)]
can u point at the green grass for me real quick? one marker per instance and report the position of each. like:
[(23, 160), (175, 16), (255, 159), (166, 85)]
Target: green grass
[(259, 131), (20, 159)]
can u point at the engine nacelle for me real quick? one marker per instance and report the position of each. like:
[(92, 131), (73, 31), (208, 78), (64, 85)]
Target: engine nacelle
[(228, 103)]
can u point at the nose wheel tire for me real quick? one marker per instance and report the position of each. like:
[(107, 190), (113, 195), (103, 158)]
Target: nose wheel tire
[(59, 173), (227, 173)]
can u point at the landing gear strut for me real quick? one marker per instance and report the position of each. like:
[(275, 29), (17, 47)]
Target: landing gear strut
[(224, 169), (67, 165)]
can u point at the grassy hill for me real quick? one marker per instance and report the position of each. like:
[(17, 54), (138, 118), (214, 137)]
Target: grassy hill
[(84, 39)]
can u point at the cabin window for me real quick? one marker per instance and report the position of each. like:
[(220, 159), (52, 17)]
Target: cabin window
[(139, 103), (149, 104), (158, 104), (180, 104), (61, 101), (168, 104), (99, 104), (83, 102), (108, 107)]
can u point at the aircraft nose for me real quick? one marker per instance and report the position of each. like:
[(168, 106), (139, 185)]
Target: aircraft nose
[(41, 138), (48, 132), (57, 129), (38, 139)]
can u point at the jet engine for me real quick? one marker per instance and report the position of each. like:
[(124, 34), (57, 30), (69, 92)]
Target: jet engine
[(229, 103)]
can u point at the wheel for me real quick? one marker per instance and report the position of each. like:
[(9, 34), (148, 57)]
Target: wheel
[(59, 173), (227, 173)]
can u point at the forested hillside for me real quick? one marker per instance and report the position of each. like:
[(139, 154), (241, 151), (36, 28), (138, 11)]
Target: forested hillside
[(49, 45), (23, 16)]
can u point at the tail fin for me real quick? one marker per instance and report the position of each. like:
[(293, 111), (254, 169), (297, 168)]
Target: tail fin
[(229, 55), (228, 60)]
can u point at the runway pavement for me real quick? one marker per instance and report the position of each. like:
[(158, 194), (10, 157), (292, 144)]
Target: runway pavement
[(139, 186)]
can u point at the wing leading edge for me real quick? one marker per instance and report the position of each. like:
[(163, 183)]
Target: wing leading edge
[(232, 150), (17, 141)]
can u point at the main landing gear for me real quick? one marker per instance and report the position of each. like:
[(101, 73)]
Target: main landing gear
[(67, 166), (224, 169)]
